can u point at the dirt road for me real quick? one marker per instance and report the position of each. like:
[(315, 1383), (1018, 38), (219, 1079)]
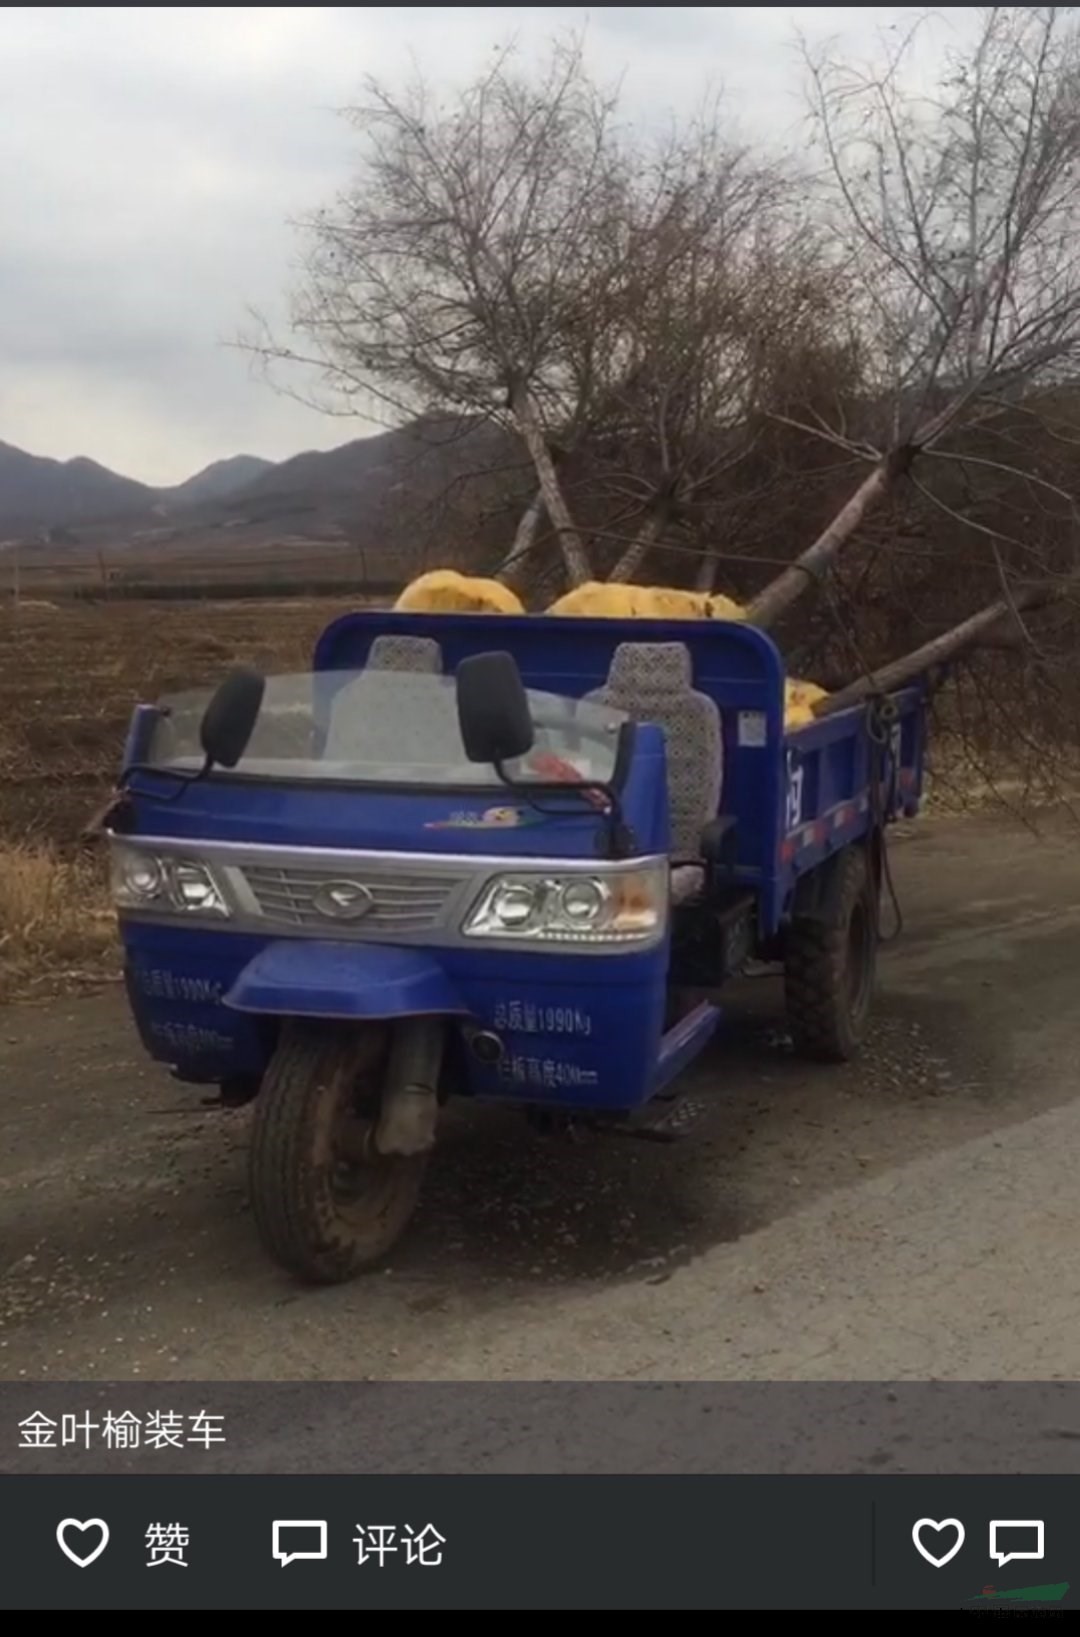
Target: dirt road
[(916, 1216)]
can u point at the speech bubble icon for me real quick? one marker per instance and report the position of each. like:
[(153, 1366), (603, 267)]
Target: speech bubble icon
[(296, 1539), (1013, 1538)]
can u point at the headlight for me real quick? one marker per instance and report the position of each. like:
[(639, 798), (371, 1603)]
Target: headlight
[(194, 889), (137, 878), (166, 885), (515, 905), (624, 908)]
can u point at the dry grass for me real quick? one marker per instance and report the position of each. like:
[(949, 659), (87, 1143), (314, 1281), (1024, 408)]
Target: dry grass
[(961, 778), (56, 926)]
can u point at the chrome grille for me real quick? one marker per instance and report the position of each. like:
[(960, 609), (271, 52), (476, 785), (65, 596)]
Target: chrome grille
[(402, 904)]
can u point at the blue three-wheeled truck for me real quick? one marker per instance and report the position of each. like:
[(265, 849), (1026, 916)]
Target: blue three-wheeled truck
[(493, 857)]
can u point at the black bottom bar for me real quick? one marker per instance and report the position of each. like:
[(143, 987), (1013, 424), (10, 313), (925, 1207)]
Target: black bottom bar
[(552, 1542)]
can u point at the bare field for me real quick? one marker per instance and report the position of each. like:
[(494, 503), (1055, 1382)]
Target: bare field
[(70, 675)]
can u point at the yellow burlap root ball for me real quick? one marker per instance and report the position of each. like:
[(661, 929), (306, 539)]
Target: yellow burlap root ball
[(799, 701), (445, 591), (722, 608), (644, 602), (650, 602)]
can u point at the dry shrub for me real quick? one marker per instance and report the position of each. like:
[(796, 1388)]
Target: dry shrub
[(56, 924)]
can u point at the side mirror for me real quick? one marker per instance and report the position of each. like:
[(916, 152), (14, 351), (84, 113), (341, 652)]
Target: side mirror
[(493, 709), (229, 719)]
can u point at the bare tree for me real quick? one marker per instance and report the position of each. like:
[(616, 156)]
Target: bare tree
[(957, 219), (665, 332), (998, 625), (714, 285), (512, 256), (445, 277), (711, 272)]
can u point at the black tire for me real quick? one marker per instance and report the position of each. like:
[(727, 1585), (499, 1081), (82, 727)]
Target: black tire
[(830, 967), (326, 1205)]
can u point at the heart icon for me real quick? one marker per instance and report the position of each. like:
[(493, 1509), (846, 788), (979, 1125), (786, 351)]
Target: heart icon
[(929, 1525), (82, 1560)]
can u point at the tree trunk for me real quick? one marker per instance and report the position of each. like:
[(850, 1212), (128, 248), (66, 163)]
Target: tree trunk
[(706, 574), (574, 555), (650, 532), (970, 633), (777, 597), (525, 537)]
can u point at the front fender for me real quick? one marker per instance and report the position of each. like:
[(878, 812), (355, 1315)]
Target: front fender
[(295, 977)]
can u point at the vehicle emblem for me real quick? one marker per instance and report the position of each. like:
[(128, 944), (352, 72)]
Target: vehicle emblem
[(342, 900)]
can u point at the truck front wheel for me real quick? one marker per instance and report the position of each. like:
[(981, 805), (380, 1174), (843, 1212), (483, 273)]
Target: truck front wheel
[(326, 1203), (830, 964)]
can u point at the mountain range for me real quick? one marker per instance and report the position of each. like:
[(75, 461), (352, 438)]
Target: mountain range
[(37, 492), (393, 493)]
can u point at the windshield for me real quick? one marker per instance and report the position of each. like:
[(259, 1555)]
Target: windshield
[(388, 728)]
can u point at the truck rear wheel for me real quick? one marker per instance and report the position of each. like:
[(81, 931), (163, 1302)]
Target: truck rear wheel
[(830, 964), (326, 1204)]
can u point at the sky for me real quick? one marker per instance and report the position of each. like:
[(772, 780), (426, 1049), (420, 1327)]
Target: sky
[(154, 163)]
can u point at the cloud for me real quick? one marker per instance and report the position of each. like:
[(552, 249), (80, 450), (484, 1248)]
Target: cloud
[(153, 159)]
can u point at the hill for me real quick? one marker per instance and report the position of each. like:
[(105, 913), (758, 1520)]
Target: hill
[(37, 492), (378, 508), (218, 481)]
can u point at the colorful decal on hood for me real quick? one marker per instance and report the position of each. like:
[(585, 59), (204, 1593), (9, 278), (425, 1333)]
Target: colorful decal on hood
[(492, 818)]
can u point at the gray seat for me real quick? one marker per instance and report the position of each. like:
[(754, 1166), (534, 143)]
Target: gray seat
[(421, 654), (653, 682), (373, 720)]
